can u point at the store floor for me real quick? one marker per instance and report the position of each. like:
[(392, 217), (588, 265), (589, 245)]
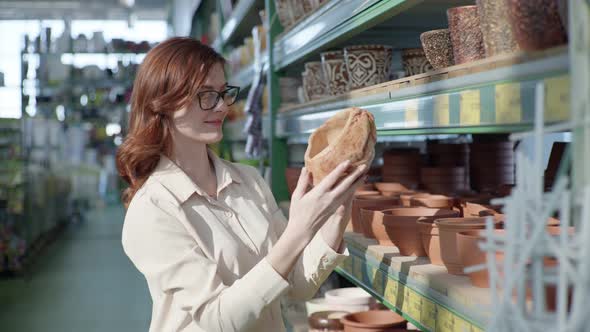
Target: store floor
[(82, 283)]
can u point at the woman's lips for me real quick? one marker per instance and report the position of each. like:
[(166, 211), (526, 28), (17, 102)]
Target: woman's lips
[(216, 123)]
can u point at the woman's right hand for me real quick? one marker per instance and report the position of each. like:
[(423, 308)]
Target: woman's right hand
[(310, 210)]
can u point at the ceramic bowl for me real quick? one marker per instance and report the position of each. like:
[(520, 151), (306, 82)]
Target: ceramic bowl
[(349, 295), (368, 64), (465, 34), (415, 62), (433, 201), (373, 321), (321, 304), (438, 48), (335, 72)]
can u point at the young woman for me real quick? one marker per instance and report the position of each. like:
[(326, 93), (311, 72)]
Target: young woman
[(216, 251)]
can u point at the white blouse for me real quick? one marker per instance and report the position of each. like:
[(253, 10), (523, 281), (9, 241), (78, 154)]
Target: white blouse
[(204, 258)]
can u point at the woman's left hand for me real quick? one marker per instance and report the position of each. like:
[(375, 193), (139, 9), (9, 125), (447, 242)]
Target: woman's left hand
[(333, 230)]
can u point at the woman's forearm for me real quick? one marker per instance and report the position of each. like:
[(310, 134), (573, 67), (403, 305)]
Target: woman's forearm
[(284, 254), (333, 233)]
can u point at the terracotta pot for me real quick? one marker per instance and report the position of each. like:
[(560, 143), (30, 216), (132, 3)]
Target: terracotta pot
[(335, 72), (361, 202), (465, 34), (406, 198), (430, 241), (368, 64), (438, 48), (390, 187), (348, 135), (326, 321), (494, 17), (283, 8), (292, 176), (367, 187), (409, 181), (402, 227), (314, 82), (401, 157), (470, 254), (415, 61), (443, 172), (373, 321), (448, 229), (536, 24), (372, 221), (395, 194), (469, 209), (433, 201), (359, 193)]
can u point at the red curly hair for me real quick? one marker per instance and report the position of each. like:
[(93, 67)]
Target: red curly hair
[(167, 81)]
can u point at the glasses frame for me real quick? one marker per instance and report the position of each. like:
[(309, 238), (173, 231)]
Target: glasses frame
[(220, 95)]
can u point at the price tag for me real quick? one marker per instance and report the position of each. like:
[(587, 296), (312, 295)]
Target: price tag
[(378, 281), (357, 271), (508, 108), (475, 329), (470, 108), (445, 321), (557, 98), (428, 314), (442, 115), (414, 307), (412, 113), (347, 265), (461, 325), (390, 293)]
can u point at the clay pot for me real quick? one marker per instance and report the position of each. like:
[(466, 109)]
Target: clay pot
[(470, 254), (335, 72), (415, 61), (438, 48), (401, 226), (448, 229), (283, 8), (466, 34), (433, 201), (390, 187), (406, 198), (362, 202), (373, 321), (314, 82), (326, 321), (292, 176), (368, 64), (360, 193), (430, 241), (494, 16), (372, 221), (348, 135), (367, 187), (536, 24)]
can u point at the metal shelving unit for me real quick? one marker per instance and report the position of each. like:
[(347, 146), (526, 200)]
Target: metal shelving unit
[(239, 23)]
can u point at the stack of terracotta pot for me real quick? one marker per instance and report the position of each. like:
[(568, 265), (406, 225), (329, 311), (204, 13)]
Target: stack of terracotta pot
[(449, 171), (492, 165), (402, 166)]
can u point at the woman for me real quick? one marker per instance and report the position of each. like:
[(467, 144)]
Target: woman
[(207, 234)]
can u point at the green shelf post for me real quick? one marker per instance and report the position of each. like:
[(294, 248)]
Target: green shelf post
[(277, 146)]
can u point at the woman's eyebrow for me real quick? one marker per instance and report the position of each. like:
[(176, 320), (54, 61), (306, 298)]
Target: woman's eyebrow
[(209, 87)]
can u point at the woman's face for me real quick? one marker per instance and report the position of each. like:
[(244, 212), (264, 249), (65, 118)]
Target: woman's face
[(204, 126)]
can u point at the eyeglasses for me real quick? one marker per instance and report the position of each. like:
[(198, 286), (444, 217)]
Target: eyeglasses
[(208, 100)]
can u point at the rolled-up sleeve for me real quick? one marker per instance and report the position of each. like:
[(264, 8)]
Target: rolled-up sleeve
[(178, 272), (318, 259)]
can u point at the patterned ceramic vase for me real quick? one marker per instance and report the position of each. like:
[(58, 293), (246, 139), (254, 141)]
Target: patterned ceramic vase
[(314, 83), (335, 72), (494, 17), (415, 61), (284, 12), (297, 9), (466, 34), (438, 48), (536, 24), (368, 64)]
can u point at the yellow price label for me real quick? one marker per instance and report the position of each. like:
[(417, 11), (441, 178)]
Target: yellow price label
[(412, 113), (428, 314), (508, 109), (557, 98), (347, 265), (445, 321), (442, 114), (390, 293), (470, 108), (461, 325), (357, 269), (475, 329), (414, 304), (378, 281)]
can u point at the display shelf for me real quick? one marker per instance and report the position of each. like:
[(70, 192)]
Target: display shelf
[(339, 21), (241, 21), (245, 77), (423, 293), (491, 101), (234, 130)]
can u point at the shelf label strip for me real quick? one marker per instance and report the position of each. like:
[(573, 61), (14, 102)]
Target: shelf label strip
[(557, 98), (508, 103), (470, 108)]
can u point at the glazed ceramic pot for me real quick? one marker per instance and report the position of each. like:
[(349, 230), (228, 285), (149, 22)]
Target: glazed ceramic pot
[(494, 17), (373, 321), (335, 72), (362, 202), (348, 135), (349, 295), (448, 230), (323, 321), (314, 83), (292, 176), (368, 64), (283, 8), (401, 226), (390, 187), (536, 24), (433, 201), (321, 304), (438, 48), (415, 62), (466, 34)]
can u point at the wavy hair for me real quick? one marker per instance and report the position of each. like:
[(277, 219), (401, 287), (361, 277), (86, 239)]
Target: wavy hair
[(167, 81)]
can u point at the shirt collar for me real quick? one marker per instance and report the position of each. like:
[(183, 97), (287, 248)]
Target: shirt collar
[(180, 184)]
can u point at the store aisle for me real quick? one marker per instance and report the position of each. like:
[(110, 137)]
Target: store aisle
[(83, 282)]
